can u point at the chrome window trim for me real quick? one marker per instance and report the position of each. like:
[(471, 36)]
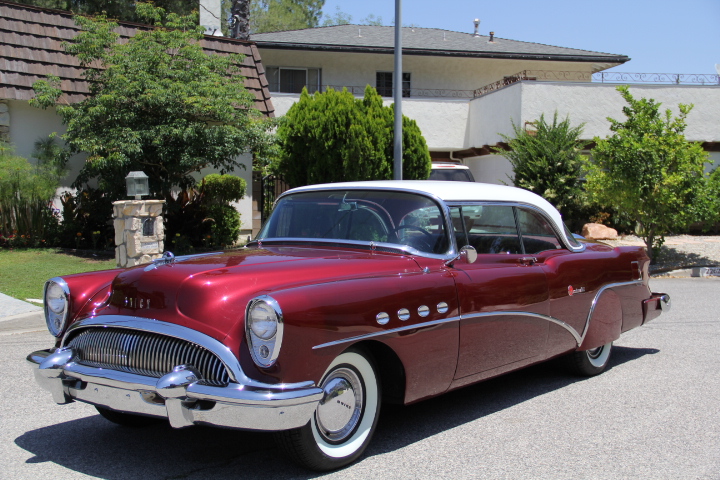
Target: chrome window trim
[(407, 249), (443, 206), (558, 233)]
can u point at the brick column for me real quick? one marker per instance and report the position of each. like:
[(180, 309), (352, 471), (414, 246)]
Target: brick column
[(139, 231)]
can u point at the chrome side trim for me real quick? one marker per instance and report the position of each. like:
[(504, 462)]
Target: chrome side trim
[(366, 336), (600, 291), (548, 318), (387, 332)]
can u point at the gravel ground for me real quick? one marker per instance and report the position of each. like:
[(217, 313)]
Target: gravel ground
[(680, 251)]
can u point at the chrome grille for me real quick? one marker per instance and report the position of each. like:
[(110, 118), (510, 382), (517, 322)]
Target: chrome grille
[(144, 353)]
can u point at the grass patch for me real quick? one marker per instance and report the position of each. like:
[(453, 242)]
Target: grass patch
[(24, 272)]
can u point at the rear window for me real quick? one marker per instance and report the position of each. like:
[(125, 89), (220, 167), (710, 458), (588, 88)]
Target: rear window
[(451, 174)]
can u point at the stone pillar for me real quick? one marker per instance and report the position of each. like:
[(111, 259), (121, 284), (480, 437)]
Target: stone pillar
[(139, 231)]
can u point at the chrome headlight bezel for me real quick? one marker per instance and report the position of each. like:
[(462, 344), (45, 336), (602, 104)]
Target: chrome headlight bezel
[(264, 349), (56, 308)]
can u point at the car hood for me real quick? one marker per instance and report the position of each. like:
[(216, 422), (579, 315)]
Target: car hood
[(209, 293)]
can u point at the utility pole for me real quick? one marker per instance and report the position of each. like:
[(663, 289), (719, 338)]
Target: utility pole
[(397, 83)]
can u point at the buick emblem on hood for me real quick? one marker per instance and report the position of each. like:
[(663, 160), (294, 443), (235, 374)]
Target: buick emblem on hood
[(133, 302)]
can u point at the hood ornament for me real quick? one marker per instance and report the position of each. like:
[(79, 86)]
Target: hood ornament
[(167, 259)]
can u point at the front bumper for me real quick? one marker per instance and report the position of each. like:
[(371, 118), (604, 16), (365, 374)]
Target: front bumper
[(179, 396), (182, 395)]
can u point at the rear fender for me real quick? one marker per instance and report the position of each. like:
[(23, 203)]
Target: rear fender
[(605, 323)]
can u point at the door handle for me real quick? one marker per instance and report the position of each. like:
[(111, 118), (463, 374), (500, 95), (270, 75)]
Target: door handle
[(527, 261)]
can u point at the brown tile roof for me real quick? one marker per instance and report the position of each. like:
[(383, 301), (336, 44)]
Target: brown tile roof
[(31, 48)]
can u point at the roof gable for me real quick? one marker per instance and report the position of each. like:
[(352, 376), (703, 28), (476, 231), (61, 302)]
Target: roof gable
[(31, 48), (422, 41)]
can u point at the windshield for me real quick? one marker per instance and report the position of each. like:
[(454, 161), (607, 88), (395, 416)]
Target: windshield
[(365, 216)]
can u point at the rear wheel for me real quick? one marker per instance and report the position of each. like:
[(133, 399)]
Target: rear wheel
[(345, 419), (126, 419), (591, 362)]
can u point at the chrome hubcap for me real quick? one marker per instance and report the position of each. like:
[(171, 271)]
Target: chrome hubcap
[(595, 352), (339, 411)]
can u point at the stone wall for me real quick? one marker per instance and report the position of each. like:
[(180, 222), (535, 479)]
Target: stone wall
[(139, 231)]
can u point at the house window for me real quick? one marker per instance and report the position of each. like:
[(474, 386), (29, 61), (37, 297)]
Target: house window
[(292, 80), (384, 84)]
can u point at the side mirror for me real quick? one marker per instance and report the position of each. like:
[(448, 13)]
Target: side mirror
[(468, 253)]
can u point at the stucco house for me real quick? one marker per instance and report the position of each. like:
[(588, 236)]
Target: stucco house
[(466, 89), (30, 49)]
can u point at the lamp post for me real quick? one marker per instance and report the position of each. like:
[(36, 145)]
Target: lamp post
[(139, 232), (137, 185)]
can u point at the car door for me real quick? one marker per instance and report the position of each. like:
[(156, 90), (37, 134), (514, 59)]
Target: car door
[(503, 296), (567, 276)]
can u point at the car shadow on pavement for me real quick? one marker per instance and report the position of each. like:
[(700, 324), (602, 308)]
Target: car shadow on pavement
[(93, 446)]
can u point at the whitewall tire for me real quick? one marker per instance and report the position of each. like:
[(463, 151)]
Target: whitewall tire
[(345, 420)]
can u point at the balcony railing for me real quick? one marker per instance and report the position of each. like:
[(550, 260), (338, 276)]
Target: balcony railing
[(410, 92), (548, 76)]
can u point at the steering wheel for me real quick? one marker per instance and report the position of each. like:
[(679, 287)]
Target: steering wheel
[(426, 243)]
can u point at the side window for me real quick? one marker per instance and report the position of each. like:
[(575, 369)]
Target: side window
[(491, 229), (423, 229), (459, 227), (537, 234)]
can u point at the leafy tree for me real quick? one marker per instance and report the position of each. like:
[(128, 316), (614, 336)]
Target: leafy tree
[(277, 15), (122, 10), (649, 172), (342, 18), (157, 103), (548, 162), (334, 137)]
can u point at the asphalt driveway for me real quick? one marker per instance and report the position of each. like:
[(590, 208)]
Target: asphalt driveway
[(654, 414)]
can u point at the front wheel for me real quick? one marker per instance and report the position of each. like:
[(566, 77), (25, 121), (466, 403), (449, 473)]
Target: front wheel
[(345, 420), (591, 362)]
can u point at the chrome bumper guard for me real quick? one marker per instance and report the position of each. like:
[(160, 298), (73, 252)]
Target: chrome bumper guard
[(655, 305), (180, 395)]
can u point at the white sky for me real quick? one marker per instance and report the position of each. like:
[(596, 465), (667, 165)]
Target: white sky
[(660, 36)]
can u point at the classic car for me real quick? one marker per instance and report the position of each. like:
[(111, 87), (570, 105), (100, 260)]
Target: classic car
[(351, 295)]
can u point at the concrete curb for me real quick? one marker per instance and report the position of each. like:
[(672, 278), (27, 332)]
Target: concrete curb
[(23, 323), (697, 272)]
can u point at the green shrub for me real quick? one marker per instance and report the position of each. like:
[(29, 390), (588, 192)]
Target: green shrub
[(202, 218), (26, 193), (86, 220), (334, 137), (548, 161), (650, 172)]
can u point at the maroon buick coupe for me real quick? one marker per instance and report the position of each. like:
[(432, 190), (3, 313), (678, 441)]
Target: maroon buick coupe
[(351, 295)]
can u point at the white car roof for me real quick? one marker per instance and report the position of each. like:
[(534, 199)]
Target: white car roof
[(453, 192)]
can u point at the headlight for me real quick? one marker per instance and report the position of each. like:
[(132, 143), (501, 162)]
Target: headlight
[(263, 320), (56, 302), (264, 329)]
